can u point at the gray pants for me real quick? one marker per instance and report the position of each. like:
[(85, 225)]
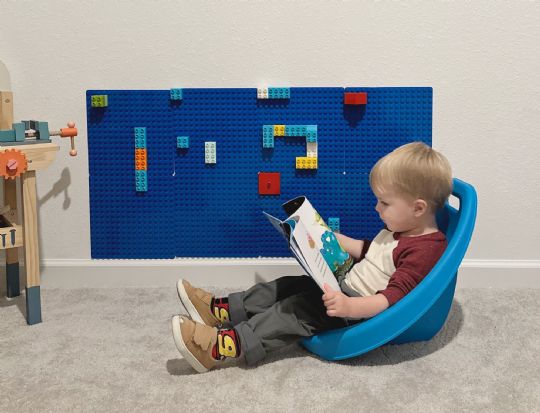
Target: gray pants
[(271, 315)]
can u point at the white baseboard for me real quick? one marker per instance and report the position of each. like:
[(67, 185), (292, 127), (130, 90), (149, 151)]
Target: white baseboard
[(221, 273), (244, 272), (241, 273)]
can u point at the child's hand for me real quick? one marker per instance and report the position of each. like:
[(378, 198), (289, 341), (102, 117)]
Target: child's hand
[(337, 303)]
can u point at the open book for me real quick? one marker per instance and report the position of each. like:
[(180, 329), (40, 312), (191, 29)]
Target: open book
[(313, 243)]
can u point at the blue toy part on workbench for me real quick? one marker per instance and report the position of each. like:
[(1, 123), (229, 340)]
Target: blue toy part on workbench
[(187, 207), (421, 313)]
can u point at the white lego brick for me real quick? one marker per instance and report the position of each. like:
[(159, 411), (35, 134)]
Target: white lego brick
[(210, 152), (262, 93), (311, 150)]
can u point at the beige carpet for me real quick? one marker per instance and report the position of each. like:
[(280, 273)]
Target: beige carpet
[(112, 350)]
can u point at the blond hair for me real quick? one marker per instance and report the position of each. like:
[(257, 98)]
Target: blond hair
[(415, 170)]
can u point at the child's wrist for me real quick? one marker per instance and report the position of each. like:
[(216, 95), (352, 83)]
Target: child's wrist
[(349, 307)]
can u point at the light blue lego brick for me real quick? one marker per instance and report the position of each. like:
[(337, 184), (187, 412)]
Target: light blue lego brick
[(290, 130), (182, 142), (311, 133), (268, 131), (140, 137), (295, 130), (333, 223), (141, 181), (177, 94), (268, 141), (279, 93)]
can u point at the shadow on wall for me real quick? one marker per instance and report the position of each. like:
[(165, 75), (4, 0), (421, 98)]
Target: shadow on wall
[(60, 187)]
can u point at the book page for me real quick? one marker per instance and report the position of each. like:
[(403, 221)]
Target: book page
[(339, 261), (313, 258)]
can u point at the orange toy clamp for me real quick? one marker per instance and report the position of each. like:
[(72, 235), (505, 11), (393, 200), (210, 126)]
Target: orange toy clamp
[(71, 132)]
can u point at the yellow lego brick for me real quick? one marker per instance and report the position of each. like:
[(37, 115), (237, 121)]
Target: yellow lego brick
[(279, 130), (301, 162), (304, 162)]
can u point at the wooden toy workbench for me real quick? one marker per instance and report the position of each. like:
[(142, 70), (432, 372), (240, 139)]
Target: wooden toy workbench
[(21, 159)]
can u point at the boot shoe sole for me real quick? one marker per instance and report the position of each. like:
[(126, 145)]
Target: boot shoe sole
[(182, 348)]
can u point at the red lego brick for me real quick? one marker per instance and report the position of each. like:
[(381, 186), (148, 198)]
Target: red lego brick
[(269, 183), (355, 98)]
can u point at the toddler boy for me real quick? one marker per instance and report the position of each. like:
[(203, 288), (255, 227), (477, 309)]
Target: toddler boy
[(410, 184)]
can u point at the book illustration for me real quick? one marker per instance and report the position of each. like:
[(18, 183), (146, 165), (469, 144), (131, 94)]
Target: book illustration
[(339, 261), (313, 243)]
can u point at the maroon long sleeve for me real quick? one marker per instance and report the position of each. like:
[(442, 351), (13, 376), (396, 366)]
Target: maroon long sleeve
[(414, 257)]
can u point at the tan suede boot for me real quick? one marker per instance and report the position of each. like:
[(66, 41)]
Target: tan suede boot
[(197, 303), (195, 341)]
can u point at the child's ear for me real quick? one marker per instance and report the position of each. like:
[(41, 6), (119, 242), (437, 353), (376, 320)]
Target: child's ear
[(420, 207)]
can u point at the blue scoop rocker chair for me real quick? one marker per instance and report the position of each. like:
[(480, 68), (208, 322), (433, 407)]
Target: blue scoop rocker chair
[(420, 314)]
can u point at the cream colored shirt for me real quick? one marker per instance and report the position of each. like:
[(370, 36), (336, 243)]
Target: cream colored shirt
[(374, 271)]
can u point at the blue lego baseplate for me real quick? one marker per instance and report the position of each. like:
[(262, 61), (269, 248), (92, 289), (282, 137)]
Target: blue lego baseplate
[(193, 209)]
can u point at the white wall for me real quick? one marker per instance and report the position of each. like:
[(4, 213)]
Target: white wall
[(481, 58)]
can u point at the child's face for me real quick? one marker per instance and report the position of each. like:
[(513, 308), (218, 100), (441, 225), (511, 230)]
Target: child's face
[(396, 211)]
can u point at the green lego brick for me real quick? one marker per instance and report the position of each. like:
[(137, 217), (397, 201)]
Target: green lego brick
[(100, 101)]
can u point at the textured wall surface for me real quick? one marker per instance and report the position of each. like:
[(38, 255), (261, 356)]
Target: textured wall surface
[(481, 60)]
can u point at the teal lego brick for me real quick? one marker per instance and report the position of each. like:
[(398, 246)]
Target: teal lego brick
[(141, 181), (268, 136), (279, 93), (268, 141), (333, 223), (99, 101), (295, 130), (140, 137), (182, 142), (176, 94), (311, 133)]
